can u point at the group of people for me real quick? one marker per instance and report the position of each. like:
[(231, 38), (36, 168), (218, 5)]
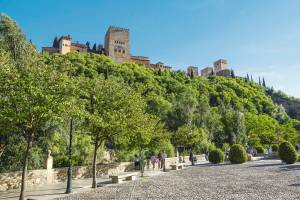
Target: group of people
[(157, 161)]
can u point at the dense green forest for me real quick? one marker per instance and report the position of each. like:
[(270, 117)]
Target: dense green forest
[(125, 108)]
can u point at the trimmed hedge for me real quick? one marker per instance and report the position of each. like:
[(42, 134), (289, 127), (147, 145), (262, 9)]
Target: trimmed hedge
[(275, 147), (237, 154), (216, 156), (287, 153), (260, 149)]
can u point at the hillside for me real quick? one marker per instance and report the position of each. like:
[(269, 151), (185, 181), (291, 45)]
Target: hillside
[(212, 103), (291, 105)]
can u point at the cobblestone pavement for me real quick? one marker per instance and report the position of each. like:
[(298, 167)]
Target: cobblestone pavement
[(267, 179)]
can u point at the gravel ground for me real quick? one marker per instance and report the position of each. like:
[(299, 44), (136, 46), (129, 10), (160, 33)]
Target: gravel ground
[(268, 179)]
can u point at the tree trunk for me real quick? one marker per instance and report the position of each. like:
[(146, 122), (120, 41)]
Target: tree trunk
[(97, 144), (25, 164)]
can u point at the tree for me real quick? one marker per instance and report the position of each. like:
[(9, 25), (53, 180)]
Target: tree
[(247, 78), (234, 126), (188, 136), (232, 74), (115, 113), (5, 129), (264, 83), (13, 42), (88, 45), (33, 100), (260, 129), (33, 92), (94, 47), (55, 42)]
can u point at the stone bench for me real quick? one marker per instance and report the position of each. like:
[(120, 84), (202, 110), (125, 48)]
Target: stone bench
[(123, 176), (178, 166)]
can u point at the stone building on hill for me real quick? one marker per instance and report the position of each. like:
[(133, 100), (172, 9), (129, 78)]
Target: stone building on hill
[(220, 68), (160, 66), (116, 46), (207, 71), (192, 71), (65, 45)]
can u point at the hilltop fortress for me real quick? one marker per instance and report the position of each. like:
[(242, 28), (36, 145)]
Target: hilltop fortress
[(117, 47)]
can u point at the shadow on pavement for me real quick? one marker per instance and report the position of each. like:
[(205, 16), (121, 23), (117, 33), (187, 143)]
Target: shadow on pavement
[(295, 185), (102, 184), (211, 165), (267, 165), (290, 167), (10, 197)]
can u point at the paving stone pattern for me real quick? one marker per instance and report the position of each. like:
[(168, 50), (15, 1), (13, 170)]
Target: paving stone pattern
[(267, 179)]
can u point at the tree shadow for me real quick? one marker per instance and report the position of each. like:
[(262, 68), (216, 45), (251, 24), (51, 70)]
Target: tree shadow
[(104, 183), (294, 185), (292, 167), (46, 194), (266, 165), (211, 165)]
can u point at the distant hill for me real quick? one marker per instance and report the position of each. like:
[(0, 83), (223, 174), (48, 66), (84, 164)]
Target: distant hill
[(291, 104)]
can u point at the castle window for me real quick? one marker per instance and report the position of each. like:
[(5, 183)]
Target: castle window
[(119, 51), (123, 51)]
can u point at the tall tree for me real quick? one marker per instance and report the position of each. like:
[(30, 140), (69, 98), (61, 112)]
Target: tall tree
[(264, 83), (115, 111), (248, 79), (88, 45), (232, 74), (55, 42), (33, 95), (95, 47)]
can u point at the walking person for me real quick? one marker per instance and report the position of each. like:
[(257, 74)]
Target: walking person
[(153, 161), (159, 160), (136, 162), (192, 158)]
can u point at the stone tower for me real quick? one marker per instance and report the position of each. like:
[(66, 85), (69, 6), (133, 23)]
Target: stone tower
[(192, 71), (220, 65), (64, 44), (117, 44)]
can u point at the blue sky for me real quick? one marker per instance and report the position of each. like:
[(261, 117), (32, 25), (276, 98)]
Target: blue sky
[(259, 37)]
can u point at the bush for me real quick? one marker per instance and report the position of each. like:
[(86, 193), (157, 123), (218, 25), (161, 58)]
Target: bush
[(216, 156), (237, 154), (260, 149), (275, 147), (287, 153)]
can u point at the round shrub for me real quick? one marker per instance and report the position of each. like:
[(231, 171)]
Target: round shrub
[(237, 154), (216, 156), (275, 147), (287, 153), (260, 149)]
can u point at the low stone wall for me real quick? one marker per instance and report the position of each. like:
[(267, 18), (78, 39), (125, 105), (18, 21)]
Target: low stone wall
[(12, 180)]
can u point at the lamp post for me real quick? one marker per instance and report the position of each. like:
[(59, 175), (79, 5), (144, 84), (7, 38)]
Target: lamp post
[(69, 183)]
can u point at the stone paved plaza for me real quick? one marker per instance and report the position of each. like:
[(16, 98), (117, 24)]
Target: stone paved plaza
[(267, 179)]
